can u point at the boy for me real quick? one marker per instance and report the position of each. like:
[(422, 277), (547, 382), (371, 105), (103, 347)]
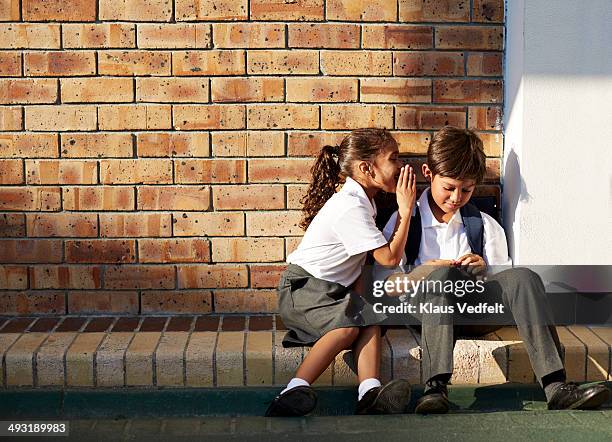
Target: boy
[(461, 241)]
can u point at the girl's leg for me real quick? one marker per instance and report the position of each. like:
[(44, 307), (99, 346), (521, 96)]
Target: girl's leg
[(366, 351), (325, 351)]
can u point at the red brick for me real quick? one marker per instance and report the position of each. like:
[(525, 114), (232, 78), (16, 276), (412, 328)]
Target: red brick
[(172, 90), (173, 250), (295, 193), (13, 277), (96, 251), (488, 11), (30, 36), (14, 251), (28, 145), (192, 302), (65, 277), (174, 36), (62, 224), (103, 35), (97, 90), (428, 63), (292, 170), (282, 10), (287, 116), (468, 91), (361, 10), (96, 145), (173, 144), (100, 301), (210, 171), (246, 301), (337, 116), (266, 276), (322, 89), (434, 11), (135, 225), (276, 223), (33, 303), (9, 10), (134, 63), (211, 10), (212, 276), (470, 37), (60, 118), (189, 117), (139, 277), (427, 117), (211, 62), (265, 143), (291, 244), (294, 62), (61, 172), (485, 117), (395, 90), (27, 91), (226, 90), (229, 144), (369, 63), (493, 144), (397, 37), (30, 198), (249, 197), (493, 170), (12, 225), (324, 35), (10, 64), (302, 144), (98, 198), (59, 10), (140, 171), (485, 64), (249, 35), (135, 10), (174, 198), (11, 118), (11, 172), (208, 224), (412, 143), (59, 63), (135, 117)]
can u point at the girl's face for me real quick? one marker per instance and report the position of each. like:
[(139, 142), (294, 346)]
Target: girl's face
[(449, 194), (386, 167)]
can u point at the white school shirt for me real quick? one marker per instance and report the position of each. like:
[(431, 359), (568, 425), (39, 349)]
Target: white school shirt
[(449, 240), (335, 244)]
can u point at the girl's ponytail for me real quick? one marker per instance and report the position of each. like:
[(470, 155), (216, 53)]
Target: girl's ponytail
[(325, 179)]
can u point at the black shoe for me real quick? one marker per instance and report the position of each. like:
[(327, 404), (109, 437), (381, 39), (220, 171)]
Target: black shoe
[(570, 396), (299, 401), (390, 398), (434, 400)]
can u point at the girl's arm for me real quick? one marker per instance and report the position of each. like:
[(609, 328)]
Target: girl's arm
[(391, 253)]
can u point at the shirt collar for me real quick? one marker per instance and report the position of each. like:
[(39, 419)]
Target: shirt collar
[(352, 187), (427, 217)]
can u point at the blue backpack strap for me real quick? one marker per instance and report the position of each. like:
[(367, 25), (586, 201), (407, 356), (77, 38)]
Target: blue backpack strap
[(474, 228), (413, 243)]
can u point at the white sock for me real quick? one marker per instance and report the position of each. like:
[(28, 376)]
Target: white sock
[(366, 386), (295, 382)]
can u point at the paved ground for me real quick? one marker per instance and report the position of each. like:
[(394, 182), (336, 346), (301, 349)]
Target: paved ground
[(498, 426)]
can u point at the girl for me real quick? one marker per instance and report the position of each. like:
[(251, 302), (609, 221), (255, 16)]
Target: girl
[(317, 293)]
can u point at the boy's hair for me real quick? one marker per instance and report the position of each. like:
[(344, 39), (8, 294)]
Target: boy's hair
[(335, 162), (457, 153)]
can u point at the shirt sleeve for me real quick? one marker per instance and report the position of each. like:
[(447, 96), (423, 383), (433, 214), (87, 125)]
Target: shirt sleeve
[(495, 244), (357, 231)]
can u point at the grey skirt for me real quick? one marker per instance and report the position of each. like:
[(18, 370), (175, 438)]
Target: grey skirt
[(310, 307)]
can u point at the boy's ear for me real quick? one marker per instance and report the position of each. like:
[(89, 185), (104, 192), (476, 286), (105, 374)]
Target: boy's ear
[(426, 172)]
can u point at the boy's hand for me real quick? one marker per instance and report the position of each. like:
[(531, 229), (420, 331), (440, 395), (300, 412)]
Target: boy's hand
[(405, 192), (440, 262), (474, 264)]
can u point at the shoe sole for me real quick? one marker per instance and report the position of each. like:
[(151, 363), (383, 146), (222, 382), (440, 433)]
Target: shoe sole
[(296, 402), (591, 401), (432, 406), (392, 398)]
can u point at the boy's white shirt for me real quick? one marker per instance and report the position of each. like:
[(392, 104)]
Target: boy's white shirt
[(335, 244), (449, 241)]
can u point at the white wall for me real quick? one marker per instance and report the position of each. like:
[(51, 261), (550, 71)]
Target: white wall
[(557, 173)]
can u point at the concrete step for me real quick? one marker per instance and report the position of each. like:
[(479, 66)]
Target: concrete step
[(239, 351)]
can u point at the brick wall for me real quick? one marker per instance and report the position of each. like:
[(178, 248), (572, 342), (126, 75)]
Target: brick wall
[(153, 153)]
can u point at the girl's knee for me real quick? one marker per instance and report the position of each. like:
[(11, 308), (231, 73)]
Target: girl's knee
[(348, 334), (372, 330)]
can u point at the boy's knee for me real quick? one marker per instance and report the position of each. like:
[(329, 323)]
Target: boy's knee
[(446, 273)]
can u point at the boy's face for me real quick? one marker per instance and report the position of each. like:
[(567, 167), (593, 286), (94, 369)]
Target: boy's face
[(449, 194)]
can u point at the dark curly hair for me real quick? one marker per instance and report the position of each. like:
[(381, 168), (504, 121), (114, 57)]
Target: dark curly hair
[(335, 163)]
